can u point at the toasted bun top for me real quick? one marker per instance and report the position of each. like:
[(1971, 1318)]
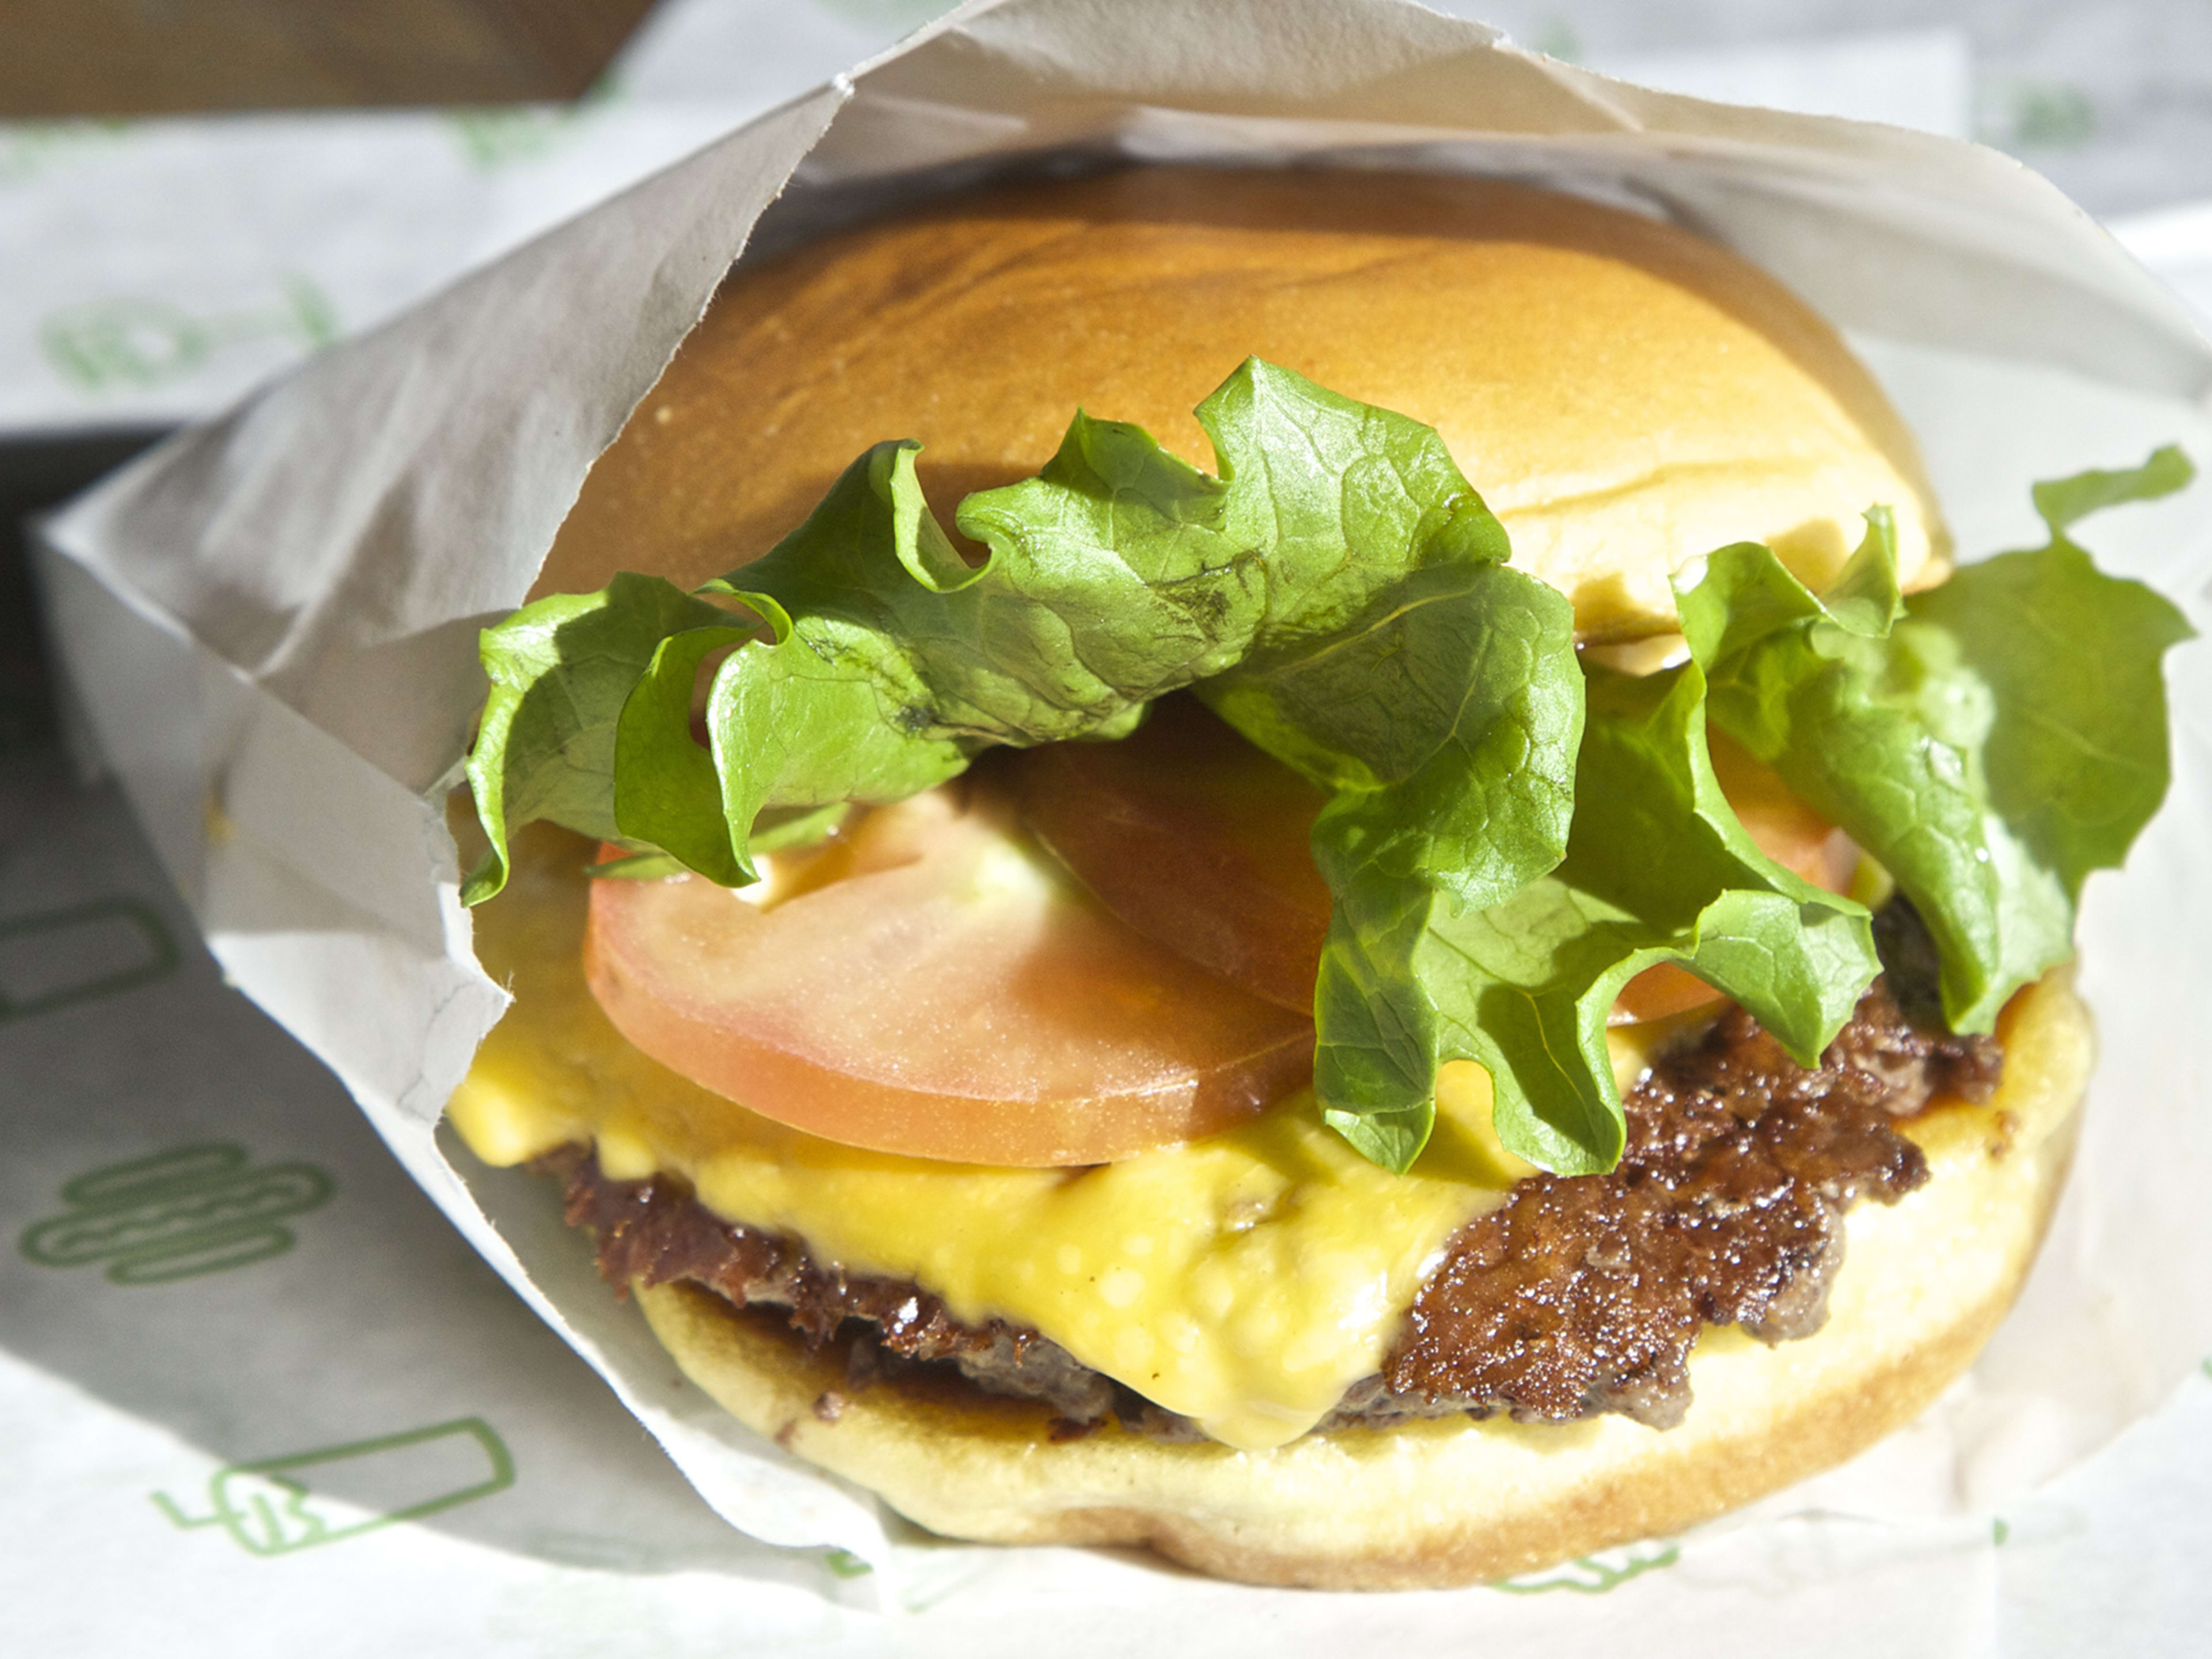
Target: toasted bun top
[(1624, 394)]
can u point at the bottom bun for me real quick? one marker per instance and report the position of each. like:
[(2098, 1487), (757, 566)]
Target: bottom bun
[(1453, 1500)]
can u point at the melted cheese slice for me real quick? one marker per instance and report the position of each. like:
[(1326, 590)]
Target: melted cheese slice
[(1245, 1280)]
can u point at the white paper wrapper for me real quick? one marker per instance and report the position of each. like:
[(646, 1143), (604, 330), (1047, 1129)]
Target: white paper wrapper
[(270, 622)]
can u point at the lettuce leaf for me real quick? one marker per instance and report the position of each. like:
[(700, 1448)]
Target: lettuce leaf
[(1658, 870), (882, 662), (1990, 741), (1446, 727), (561, 671)]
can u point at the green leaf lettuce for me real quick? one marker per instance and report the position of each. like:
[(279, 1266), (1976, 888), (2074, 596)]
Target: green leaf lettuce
[(1658, 870), (1990, 741)]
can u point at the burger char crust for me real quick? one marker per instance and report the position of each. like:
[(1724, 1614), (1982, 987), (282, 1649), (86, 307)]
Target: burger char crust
[(655, 1232), (1580, 1295), (1584, 1294)]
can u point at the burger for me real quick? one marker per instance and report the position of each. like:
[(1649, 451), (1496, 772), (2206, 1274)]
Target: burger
[(1428, 935)]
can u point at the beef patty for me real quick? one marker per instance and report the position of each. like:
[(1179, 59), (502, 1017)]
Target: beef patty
[(1579, 1295)]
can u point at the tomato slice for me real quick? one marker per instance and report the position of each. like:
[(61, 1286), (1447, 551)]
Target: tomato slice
[(1195, 839), (932, 984), (1198, 840), (1787, 830)]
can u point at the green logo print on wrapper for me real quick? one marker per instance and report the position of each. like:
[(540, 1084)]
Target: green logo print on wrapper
[(896, 16), (276, 1505), (130, 342), (30, 149), (177, 1214), (1594, 1574), (56, 959), (494, 136)]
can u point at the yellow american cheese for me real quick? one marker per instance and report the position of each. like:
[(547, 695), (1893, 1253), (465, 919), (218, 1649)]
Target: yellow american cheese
[(1245, 1280)]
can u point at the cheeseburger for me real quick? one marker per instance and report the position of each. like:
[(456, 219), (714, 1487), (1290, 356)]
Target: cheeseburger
[(1454, 960)]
